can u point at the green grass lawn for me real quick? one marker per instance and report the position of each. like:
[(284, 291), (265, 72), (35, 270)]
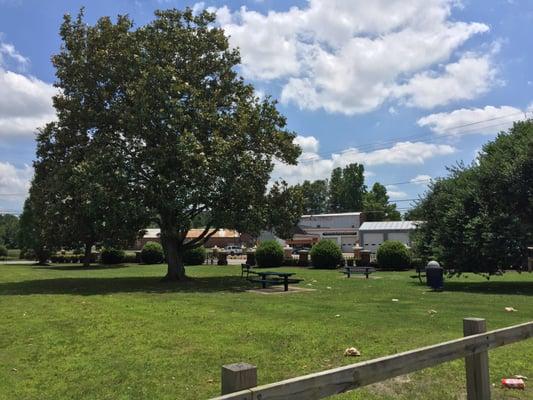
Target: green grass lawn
[(119, 333)]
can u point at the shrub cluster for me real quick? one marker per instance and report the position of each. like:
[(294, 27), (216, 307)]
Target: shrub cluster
[(131, 258), (111, 256), (393, 255), (152, 253), (269, 254), (3, 251), (66, 258), (194, 256), (326, 254)]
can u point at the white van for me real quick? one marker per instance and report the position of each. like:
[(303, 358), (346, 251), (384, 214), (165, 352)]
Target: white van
[(233, 250)]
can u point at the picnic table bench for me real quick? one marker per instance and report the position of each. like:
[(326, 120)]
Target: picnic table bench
[(273, 278), (247, 269), (348, 271), (420, 273)]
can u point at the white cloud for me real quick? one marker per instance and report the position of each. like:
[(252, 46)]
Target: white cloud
[(14, 185), (309, 144), (25, 104), (313, 166), (466, 79), (8, 51), (487, 120), (394, 193), (350, 56), (421, 179), (25, 101), (198, 7)]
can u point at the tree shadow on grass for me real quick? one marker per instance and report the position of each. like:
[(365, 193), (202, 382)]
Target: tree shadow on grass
[(99, 286), (522, 288), (79, 267)]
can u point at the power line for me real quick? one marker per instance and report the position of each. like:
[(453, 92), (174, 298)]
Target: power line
[(380, 145)]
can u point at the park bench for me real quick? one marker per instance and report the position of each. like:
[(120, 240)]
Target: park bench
[(348, 271), (269, 278)]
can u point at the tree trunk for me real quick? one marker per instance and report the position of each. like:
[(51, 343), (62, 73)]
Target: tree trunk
[(42, 257), (176, 268), (87, 255)]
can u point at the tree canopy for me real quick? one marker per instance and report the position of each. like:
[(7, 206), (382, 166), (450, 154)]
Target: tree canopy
[(158, 116), (9, 228), (480, 217), (346, 192), (377, 206)]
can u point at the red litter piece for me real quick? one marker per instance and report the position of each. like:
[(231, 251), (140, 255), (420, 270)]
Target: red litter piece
[(513, 383)]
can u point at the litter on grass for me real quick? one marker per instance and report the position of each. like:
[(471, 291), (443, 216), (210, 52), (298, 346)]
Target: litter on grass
[(352, 352), (395, 300), (511, 383), (510, 309)]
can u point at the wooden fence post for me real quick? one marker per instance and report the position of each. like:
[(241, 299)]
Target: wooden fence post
[(238, 376), (477, 365)]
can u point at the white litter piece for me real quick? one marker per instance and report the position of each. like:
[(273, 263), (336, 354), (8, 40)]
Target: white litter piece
[(352, 352)]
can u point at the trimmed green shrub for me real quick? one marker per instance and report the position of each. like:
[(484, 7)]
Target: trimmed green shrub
[(393, 255), (152, 253), (111, 256), (194, 256), (269, 254), (326, 254), (3, 251), (130, 258)]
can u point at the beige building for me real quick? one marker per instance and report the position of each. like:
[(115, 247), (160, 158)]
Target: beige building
[(222, 238)]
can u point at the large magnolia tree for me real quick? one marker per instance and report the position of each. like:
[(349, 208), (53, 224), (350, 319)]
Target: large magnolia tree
[(166, 111)]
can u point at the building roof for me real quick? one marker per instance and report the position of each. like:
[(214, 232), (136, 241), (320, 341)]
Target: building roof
[(153, 233), (332, 215), (389, 226)]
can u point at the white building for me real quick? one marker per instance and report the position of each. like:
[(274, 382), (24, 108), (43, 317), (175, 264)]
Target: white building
[(342, 228), (373, 234)]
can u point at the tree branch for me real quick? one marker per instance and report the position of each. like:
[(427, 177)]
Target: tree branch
[(202, 238)]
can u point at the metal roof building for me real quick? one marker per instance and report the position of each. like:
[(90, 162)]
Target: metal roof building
[(383, 226), (373, 234)]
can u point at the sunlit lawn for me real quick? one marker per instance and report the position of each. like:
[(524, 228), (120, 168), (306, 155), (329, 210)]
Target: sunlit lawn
[(119, 333)]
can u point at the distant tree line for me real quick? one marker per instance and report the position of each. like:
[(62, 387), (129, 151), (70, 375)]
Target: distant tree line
[(346, 191), (9, 231), (480, 217)]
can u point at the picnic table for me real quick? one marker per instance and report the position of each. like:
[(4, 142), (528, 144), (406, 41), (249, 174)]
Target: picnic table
[(275, 278)]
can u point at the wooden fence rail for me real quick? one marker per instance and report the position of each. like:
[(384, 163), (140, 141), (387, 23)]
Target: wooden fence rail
[(473, 347)]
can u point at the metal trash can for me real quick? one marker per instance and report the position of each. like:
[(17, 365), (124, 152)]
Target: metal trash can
[(434, 275)]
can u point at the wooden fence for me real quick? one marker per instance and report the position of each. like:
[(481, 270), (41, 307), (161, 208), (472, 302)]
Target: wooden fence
[(239, 381)]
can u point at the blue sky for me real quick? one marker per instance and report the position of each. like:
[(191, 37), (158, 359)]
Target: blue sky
[(405, 87)]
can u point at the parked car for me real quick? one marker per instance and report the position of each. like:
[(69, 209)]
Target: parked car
[(233, 250)]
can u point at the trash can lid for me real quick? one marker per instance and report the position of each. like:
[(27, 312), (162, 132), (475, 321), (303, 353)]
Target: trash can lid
[(433, 264)]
